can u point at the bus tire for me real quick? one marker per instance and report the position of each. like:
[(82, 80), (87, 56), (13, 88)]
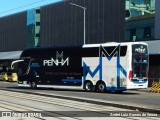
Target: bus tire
[(88, 86), (33, 84), (101, 87)]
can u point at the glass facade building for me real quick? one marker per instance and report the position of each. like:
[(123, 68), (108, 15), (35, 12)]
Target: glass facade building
[(142, 24), (140, 20), (33, 28), (136, 8)]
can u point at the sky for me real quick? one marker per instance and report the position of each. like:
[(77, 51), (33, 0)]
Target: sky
[(8, 7)]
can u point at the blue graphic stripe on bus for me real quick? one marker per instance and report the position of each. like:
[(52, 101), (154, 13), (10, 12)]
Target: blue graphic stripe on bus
[(34, 65), (115, 88), (87, 69), (72, 80), (119, 70), (139, 81), (144, 63)]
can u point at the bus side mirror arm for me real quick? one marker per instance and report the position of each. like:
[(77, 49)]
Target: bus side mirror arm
[(16, 61)]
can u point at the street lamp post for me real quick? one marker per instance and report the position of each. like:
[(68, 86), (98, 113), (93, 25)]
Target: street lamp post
[(84, 8)]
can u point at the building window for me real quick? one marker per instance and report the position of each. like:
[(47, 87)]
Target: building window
[(37, 10), (37, 35), (147, 32), (127, 13), (140, 7), (133, 34), (37, 23)]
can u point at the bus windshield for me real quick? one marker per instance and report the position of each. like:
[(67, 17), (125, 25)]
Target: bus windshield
[(139, 61), (21, 66)]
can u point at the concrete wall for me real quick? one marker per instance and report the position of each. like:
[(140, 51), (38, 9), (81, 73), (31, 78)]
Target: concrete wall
[(157, 20), (13, 32), (62, 23)]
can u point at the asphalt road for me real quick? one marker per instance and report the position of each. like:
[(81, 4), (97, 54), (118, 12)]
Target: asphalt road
[(132, 98), (48, 104), (23, 106)]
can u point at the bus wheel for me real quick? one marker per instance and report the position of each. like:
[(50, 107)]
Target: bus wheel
[(88, 86), (33, 84), (101, 87)]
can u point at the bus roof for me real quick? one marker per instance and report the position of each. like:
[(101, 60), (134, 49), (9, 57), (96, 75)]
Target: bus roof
[(84, 46), (113, 44)]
